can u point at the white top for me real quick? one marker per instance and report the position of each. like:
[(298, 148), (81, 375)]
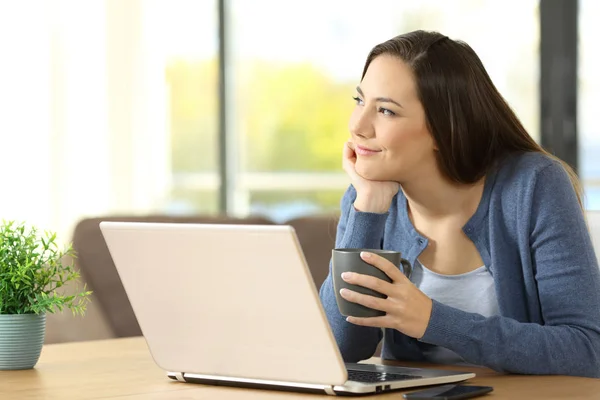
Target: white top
[(472, 292)]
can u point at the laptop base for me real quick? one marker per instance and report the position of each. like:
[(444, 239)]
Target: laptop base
[(413, 377)]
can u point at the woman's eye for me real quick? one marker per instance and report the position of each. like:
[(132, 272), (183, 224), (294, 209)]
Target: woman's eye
[(385, 111), (358, 101)]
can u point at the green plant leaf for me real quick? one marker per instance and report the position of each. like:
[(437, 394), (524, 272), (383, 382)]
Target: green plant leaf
[(32, 267)]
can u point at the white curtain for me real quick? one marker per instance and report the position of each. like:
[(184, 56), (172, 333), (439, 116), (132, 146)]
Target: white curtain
[(83, 112)]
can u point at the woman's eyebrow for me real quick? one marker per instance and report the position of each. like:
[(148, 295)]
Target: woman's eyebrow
[(380, 99)]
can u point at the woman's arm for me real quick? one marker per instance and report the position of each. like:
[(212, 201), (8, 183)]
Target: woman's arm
[(568, 283), (355, 230)]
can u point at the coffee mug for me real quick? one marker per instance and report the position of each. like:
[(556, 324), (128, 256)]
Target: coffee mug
[(349, 260)]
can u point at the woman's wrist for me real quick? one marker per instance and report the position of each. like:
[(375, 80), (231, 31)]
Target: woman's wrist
[(371, 204)]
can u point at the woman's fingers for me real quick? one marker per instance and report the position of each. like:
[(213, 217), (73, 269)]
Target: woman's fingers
[(365, 300), (349, 160), (385, 265), (378, 322), (369, 282)]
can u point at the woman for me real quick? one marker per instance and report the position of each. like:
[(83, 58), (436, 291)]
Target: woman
[(442, 170)]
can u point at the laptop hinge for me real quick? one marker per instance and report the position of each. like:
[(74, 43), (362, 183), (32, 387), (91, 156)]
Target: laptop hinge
[(179, 376), (329, 390)]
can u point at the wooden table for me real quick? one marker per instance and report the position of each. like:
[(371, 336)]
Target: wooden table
[(123, 369)]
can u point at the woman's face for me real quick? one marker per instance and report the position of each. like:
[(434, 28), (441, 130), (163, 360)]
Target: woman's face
[(388, 127)]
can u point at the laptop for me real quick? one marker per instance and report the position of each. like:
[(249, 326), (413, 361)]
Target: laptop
[(236, 305)]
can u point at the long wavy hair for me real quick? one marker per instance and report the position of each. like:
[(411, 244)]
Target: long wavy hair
[(469, 119)]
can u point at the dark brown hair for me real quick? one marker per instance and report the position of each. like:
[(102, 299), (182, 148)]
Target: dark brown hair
[(470, 121)]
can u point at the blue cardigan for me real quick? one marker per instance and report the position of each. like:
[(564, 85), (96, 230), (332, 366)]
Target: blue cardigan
[(531, 233)]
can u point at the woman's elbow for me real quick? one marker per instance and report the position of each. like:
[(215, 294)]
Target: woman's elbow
[(583, 360), (592, 366), (589, 357)]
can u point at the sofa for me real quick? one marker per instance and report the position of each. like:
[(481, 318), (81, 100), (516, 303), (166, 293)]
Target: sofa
[(109, 314)]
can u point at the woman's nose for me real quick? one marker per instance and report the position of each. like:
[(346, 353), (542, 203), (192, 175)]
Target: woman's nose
[(360, 124)]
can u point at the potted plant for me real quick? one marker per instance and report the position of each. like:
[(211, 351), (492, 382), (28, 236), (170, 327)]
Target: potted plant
[(33, 269)]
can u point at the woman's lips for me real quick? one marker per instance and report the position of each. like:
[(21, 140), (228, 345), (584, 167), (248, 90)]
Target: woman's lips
[(364, 151)]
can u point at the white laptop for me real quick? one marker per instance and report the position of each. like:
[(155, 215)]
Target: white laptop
[(236, 305)]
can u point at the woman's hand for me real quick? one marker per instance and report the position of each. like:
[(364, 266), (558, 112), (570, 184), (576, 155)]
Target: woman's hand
[(371, 196), (407, 308)]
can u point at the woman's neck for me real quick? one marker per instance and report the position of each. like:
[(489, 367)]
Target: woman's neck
[(434, 197)]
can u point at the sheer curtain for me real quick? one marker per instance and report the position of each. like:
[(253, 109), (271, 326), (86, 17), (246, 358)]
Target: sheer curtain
[(83, 111)]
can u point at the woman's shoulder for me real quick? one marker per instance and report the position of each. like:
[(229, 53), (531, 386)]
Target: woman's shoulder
[(522, 171), (526, 163), (533, 187)]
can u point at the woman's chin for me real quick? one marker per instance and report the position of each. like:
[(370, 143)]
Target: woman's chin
[(369, 174)]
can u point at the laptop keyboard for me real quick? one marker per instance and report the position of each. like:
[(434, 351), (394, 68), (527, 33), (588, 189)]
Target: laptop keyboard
[(375, 377)]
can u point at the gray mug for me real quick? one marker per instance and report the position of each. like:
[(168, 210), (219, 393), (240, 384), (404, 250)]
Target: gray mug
[(348, 260)]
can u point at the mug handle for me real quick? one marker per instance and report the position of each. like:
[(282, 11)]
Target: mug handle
[(406, 268)]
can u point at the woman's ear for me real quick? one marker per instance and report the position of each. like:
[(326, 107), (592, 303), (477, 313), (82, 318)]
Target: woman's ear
[(435, 145)]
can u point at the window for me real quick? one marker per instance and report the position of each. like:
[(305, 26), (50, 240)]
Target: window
[(295, 71), (589, 98), (183, 36)]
